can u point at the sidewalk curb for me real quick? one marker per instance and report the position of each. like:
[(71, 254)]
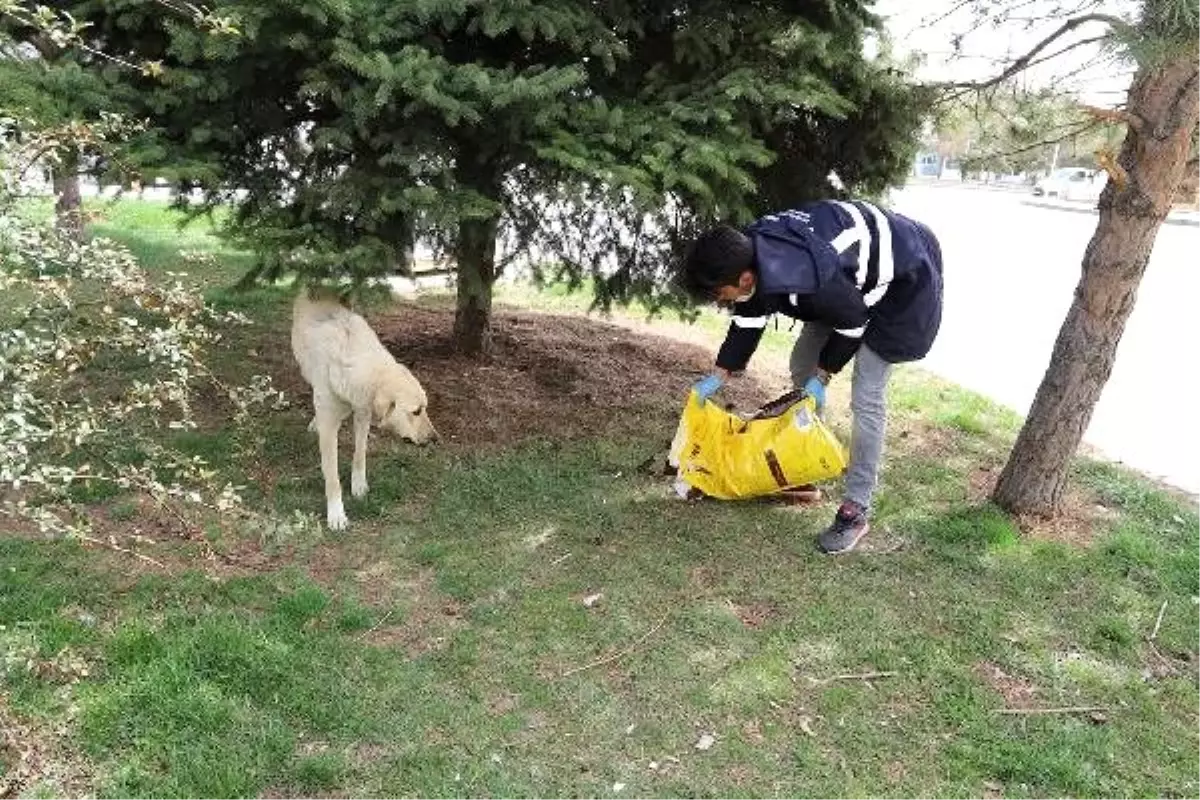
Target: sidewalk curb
[(1193, 221), (955, 184)]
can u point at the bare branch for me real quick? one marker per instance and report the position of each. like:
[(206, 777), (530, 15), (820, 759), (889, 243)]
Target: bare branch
[(929, 22), (1055, 710), (1028, 59), (620, 654), (1158, 622), (983, 19), (48, 50), (1067, 49)]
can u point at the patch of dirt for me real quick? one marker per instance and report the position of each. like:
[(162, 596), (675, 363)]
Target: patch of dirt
[(704, 578), (550, 376), (500, 704), (752, 731), (1080, 522), (364, 754), (894, 772), (1016, 691), (755, 615), (32, 758), (281, 792), (740, 775), (916, 437), (428, 621), (981, 481), (377, 583)]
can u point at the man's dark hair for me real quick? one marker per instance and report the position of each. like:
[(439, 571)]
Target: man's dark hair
[(717, 258)]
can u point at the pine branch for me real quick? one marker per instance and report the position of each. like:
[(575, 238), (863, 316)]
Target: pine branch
[(1117, 115), (1075, 130)]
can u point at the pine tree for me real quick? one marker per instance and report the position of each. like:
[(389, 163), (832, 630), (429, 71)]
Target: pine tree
[(602, 133), (1160, 115), (61, 91)]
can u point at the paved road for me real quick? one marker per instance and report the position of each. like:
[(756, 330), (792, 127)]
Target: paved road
[(1011, 270)]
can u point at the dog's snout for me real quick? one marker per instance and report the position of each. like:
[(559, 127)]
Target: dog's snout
[(425, 439)]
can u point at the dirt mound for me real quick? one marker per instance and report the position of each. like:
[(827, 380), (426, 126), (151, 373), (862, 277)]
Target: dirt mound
[(548, 376)]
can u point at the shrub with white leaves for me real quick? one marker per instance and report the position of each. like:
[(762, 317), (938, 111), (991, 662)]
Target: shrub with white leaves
[(98, 363)]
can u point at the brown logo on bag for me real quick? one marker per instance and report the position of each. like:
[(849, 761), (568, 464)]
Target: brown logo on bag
[(776, 469)]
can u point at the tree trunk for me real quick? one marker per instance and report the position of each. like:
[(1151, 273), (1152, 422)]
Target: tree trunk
[(476, 256), (476, 275), (68, 205), (1163, 111)]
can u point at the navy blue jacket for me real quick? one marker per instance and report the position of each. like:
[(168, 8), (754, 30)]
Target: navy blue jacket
[(872, 275)]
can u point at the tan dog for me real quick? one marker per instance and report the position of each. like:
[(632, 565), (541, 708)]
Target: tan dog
[(351, 372)]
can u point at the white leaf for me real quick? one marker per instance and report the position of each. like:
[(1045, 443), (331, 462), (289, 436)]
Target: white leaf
[(592, 599), (706, 742)]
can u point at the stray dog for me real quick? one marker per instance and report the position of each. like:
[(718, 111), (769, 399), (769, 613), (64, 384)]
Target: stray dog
[(351, 372)]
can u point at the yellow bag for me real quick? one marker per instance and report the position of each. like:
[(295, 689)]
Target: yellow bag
[(783, 445)]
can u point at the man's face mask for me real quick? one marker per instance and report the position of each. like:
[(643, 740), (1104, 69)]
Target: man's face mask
[(727, 296)]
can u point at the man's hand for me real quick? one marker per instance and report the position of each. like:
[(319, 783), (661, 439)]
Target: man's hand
[(707, 386), (814, 387)]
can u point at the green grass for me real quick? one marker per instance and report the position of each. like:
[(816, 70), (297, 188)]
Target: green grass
[(441, 647)]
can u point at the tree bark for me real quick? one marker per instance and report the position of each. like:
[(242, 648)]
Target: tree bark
[(476, 257), (476, 276), (1163, 107), (68, 204)]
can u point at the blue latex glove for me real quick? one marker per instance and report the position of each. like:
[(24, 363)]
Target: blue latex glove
[(707, 386), (815, 389)]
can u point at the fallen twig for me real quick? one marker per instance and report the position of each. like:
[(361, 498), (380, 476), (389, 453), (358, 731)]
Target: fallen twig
[(560, 559), (858, 676), (621, 654), (375, 627), (119, 549), (1158, 622), (1053, 710)]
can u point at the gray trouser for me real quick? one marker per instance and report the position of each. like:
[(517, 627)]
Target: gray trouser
[(867, 404)]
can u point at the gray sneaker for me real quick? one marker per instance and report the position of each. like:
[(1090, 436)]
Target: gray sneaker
[(848, 527)]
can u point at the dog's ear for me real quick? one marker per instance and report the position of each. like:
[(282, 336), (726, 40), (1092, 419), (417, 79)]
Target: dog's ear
[(382, 404)]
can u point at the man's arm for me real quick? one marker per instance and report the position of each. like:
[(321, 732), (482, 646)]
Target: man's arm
[(838, 350), (840, 305), (745, 332)]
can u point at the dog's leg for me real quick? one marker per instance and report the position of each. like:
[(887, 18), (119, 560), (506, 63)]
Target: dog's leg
[(328, 423), (358, 467)]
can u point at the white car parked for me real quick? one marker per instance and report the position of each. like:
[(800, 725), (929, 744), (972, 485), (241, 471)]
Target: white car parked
[(1072, 183)]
